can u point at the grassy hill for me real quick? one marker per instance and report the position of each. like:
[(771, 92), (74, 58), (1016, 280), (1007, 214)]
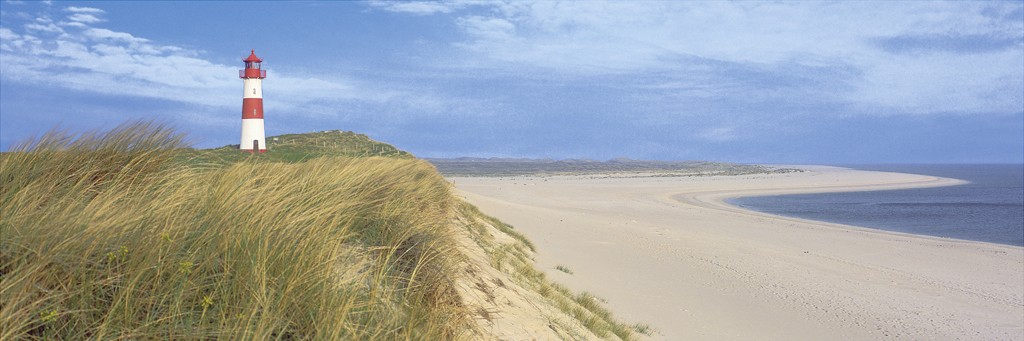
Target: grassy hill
[(127, 235), (301, 147)]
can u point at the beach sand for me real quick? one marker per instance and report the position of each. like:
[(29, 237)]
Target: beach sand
[(667, 251)]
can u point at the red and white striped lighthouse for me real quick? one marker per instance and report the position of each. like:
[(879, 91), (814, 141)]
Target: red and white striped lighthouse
[(253, 137)]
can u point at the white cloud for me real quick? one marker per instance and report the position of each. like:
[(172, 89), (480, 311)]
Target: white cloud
[(102, 33), (9, 41), (90, 10), (487, 28), (740, 31), (7, 34), (48, 27), (80, 56), (945, 84), (73, 24), (84, 18), (43, 24), (706, 39), (416, 7)]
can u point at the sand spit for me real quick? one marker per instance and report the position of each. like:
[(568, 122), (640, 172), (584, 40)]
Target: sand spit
[(669, 252)]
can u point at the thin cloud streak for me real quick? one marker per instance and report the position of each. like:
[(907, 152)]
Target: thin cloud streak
[(90, 10), (427, 7)]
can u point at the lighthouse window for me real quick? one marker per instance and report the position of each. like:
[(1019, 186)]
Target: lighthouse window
[(253, 91)]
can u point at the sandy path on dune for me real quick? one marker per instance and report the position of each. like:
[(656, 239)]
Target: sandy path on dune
[(669, 252)]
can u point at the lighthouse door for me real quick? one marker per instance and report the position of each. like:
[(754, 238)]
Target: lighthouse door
[(255, 145)]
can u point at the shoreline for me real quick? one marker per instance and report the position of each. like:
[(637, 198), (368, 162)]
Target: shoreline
[(671, 252), (719, 200)]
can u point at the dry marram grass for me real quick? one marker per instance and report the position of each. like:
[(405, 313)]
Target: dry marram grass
[(103, 237), (117, 235)]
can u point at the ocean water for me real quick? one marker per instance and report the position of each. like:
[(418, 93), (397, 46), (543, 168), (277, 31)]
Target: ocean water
[(990, 208)]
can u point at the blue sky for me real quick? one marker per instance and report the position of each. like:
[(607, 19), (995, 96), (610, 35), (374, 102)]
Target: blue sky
[(780, 82)]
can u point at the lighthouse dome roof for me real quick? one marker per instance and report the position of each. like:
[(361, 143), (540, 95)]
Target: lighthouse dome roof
[(252, 58)]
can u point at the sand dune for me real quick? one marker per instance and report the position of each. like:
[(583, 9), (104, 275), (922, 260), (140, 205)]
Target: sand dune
[(670, 252)]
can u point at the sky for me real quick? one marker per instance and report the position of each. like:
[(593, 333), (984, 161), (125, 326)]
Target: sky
[(757, 82)]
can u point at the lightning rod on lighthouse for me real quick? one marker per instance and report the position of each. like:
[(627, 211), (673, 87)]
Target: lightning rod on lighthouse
[(253, 137)]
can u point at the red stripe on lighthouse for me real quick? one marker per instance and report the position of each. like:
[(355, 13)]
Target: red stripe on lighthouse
[(252, 108)]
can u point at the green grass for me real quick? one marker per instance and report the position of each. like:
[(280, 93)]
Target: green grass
[(293, 148), (111, 236), (564, 269), (472, 211), (514, 259)]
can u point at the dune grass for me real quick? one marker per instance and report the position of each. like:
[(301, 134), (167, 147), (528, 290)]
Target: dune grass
[(564, 269), (126, 234), (109, 236), (515, 259)]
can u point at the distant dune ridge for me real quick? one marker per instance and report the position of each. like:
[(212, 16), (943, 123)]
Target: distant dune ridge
[(619, 166), (329, 235)]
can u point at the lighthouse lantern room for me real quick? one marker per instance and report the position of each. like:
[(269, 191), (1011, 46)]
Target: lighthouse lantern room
[(253, 137)]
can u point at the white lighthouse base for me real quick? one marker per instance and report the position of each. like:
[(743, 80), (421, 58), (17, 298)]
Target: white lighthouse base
[(252, 130)]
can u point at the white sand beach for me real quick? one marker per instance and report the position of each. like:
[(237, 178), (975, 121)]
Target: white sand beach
[(669, 252)]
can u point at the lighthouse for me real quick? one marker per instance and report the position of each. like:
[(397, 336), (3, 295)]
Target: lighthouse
[(253, 137)]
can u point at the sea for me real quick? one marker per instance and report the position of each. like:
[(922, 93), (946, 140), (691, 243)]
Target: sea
[(990, 208)]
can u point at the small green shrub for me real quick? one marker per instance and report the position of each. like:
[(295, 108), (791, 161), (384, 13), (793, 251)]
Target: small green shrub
[(564, 269)]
